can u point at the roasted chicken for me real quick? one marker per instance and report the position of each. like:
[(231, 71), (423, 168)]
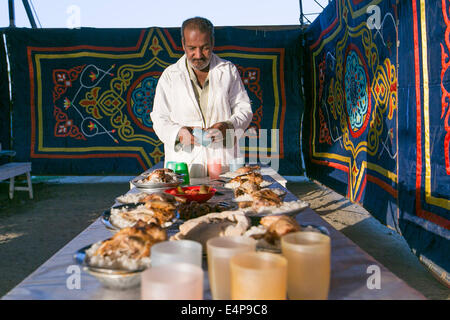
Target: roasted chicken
[(247, 187), (162, 211), (245, 204), (262, 198), (161, 175), (278, 226), (133, 242), (265, 198), (159, 196), (138, 215), (253, 177), (247, 169), (158, 212)]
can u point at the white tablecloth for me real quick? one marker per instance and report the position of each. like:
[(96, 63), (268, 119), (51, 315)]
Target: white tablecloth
[(349, 269)]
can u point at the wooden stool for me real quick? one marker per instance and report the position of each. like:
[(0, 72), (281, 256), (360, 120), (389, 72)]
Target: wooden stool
[(13, 169)]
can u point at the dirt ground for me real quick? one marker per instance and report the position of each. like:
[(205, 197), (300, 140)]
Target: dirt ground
[(31, 231)]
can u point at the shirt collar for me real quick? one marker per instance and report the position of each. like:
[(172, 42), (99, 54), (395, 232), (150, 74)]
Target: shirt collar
[(192, 75)]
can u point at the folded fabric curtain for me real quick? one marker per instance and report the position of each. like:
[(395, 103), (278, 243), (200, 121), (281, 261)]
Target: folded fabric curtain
[(5, 115)]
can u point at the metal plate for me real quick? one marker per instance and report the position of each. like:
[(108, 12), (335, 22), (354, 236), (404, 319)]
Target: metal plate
[(292, 212)]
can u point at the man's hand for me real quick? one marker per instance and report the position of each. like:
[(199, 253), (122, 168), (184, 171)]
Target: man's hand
[(218, 131), (185, 136)]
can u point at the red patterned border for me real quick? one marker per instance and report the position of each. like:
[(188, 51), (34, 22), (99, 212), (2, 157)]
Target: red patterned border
[(445, 99), (432, 217)]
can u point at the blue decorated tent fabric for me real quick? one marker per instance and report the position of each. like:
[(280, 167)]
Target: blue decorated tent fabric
[(378, 111)]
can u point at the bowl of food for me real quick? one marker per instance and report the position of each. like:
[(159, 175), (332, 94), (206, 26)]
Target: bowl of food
[(195, 193), (117, 262), (158, 179)]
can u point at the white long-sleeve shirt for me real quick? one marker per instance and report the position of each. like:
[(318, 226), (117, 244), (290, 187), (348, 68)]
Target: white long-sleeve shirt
[(176, 106)]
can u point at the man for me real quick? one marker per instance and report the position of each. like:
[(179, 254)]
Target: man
[(200, 92)]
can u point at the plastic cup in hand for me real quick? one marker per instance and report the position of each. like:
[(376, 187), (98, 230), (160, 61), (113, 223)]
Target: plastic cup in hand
[(178, 281), (308, 255), (168, 252), (182, 168), (214, 168), (220, 250), (200, 136), (258, 276)]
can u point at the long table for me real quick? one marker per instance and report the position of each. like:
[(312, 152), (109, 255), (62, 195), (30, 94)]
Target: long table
[(354, 273)]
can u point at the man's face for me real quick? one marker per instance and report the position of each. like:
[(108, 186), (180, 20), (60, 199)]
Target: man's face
[(198, 48)]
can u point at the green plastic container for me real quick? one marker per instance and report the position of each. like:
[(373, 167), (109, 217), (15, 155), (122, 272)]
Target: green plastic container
[(171, 165), (182, 168)]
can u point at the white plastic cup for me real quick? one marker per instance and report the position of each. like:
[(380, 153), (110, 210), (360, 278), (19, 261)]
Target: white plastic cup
[(309, 265), (220, 251), (178, 281), (200, 135), (168, 252), (258, 276)]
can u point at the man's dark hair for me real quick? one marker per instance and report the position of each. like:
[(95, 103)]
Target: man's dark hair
[(199, 23)]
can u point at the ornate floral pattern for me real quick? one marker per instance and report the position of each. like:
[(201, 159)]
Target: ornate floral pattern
[(251, 79), (63, 79), (356, 91), (64, 126), (142, 100)]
